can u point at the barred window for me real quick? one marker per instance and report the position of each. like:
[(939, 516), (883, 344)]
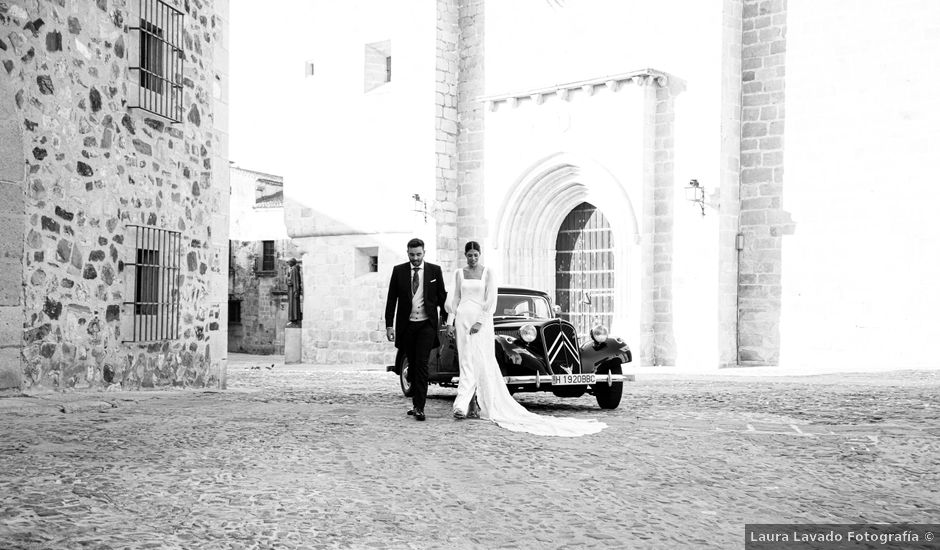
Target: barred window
[(159, 57), (267, 256), (154, 280)]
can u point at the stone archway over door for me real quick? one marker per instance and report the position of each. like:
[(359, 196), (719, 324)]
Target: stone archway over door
[(532, 213), (584, 268)]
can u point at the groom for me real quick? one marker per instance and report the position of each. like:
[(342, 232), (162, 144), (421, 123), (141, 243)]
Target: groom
[(417, 288)]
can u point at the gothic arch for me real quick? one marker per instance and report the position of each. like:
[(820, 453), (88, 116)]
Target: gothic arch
[(532, 213)]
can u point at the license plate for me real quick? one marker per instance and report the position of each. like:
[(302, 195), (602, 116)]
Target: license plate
[(573, 379)]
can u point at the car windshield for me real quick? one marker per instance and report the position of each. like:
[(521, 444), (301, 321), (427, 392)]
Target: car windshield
[(528, 307)]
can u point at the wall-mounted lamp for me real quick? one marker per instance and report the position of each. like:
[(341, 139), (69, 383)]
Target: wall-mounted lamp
[(421, 206), (696, 193)]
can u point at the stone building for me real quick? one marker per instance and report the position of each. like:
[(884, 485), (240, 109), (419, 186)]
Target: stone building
[(259, 251), (565, 137), (113, 193)]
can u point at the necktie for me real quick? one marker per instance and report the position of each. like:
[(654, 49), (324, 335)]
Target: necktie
[(414, 282)]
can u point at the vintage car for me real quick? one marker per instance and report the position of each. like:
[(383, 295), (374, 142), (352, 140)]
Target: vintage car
[(537, 351)]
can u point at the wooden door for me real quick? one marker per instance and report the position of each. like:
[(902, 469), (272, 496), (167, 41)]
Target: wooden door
[(584, 268)]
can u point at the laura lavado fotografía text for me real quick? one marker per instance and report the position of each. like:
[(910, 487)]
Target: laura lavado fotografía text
[(831, 536)]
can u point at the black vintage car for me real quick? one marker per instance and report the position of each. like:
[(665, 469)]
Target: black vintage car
[(538, 352)]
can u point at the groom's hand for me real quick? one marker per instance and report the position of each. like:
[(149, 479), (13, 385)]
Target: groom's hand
[(390, 334)]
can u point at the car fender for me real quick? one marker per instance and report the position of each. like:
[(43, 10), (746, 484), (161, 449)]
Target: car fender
[(511, 353), (594, 354)]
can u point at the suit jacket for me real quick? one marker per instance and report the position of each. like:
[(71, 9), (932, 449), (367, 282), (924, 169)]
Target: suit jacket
[(399, 293)]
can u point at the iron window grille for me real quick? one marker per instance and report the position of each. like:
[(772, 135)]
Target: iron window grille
[(155, 272), (160, 59), (267, 255)]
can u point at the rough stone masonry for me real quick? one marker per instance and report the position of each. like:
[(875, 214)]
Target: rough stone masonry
[(77, 167)]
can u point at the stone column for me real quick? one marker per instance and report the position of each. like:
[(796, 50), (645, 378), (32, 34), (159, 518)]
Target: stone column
[(12, 227), (658, 342), (763, 222), (459, 126), (730, 172), (471, 221), (448, 33)]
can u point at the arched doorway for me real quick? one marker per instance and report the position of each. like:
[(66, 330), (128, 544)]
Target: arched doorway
[(532, 212), (584, 268)]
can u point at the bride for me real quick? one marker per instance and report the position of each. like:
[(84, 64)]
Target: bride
[(470, 307)]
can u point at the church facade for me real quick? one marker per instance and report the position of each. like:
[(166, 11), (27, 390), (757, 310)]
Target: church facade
[(729, 183)]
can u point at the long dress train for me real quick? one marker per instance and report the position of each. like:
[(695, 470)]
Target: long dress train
[(472, 301)]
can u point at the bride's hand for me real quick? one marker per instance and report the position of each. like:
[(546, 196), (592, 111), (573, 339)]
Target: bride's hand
[(475, 328)]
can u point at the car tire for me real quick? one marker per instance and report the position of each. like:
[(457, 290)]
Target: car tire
[(406, 387), (608, 397)]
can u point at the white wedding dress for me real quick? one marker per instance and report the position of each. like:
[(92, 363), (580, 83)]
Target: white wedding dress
[(472, 301)]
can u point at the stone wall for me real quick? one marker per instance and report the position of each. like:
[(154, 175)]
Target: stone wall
[(763, 222), (344, 304), (95, 167), (263, 297)]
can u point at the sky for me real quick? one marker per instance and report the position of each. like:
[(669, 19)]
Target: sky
[(259, 93)]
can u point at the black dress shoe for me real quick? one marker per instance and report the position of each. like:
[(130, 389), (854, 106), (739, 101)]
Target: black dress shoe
[(411, 412), (419, 415)]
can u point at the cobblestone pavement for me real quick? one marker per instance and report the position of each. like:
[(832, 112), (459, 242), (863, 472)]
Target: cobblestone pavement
[(318, 457)]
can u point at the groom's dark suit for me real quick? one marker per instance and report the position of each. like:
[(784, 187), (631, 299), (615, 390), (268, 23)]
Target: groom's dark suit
[(416, 338)]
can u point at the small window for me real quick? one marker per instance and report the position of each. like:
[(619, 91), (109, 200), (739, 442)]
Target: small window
[(308, 68), (267, 256), (366, 260), (151, 57), (378, 65), (155, 285), (235, 312), (159, 59), (147, 285)]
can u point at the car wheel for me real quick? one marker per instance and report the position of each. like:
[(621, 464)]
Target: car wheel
[(608, 397), (406, 388)]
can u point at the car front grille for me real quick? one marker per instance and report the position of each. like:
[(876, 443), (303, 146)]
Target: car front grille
[(560, 342)]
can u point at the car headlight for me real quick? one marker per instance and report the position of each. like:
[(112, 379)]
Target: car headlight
[(528, 333), (599, 334)]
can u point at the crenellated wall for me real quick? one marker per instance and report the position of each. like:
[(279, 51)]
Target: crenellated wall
[(91, 167)]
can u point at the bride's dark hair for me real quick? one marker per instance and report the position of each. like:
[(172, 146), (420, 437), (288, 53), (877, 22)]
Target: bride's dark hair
[(472, 245)]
